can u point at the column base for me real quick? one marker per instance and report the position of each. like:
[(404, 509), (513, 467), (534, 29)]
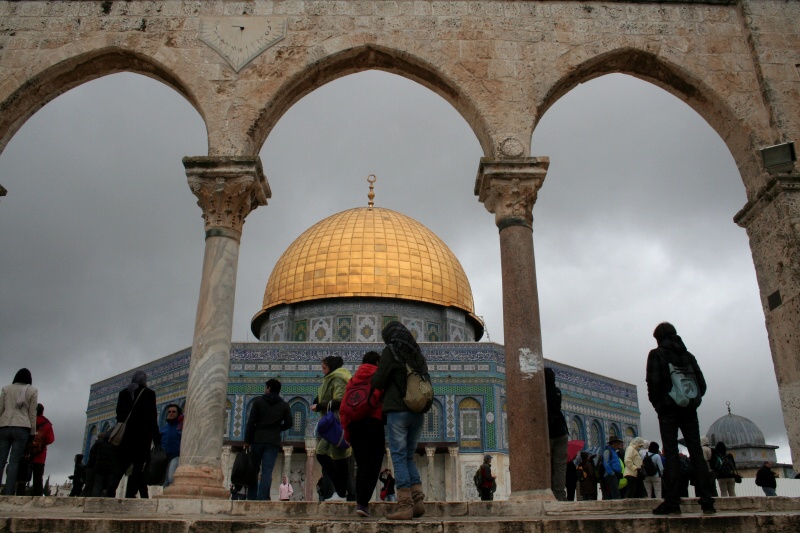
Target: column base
[(197, 482), (532, 495)]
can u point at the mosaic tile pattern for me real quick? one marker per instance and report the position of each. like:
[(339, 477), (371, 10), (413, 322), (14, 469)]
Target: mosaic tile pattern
[(367, 329), (344, 329), (416, 327), (278, 331), (385, 320), (433, 332), (322, 329), (300, 331), (456, 333)]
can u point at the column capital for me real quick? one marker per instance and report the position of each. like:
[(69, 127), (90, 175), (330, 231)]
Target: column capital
[(430, 451), (287, 450), (773, 189), (228, 188), (453, 451), (508, 188)]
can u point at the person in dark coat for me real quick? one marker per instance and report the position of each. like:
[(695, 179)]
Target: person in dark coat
[(671, 354), (765, 478), (78, 476), (587, 477), (572, 480), (141, 433), (726, 475), (559, 436), (269, 416)]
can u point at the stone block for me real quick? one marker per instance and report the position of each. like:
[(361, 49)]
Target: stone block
[(170, 506), (127, 506), (217, 507)]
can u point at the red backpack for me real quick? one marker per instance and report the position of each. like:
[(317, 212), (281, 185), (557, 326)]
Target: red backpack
[(360, 400)]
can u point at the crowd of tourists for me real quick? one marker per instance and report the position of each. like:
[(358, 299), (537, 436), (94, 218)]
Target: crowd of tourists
[(385, 399)]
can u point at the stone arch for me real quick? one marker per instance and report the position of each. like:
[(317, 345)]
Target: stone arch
[(433, 422), (359, 59), (300, 411), (53, 81), (739, 136)]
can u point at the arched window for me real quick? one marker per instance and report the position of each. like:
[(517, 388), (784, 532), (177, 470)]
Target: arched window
[(613, 431), (299, 411), (630, 433), (469, 417), (595, 435), (575, 429), (90, 441), (432, 423)]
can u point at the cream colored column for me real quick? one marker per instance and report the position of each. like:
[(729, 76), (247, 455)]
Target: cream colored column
[(309, 494), (389, 460), (287, 461), (227, 189), (430, 452), (451, 480), (508, 189)]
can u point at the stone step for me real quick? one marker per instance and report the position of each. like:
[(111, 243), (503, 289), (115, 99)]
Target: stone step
[(94, 515)]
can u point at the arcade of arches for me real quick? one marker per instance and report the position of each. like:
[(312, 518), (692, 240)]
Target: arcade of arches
[(501, 64)]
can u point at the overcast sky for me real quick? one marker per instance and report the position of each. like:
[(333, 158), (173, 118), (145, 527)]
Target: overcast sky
[(102, 241)]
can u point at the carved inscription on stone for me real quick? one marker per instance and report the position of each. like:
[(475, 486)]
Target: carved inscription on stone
[(239, 40)]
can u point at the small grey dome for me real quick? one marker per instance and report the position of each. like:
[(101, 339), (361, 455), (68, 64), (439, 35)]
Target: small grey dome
[(735, 430)]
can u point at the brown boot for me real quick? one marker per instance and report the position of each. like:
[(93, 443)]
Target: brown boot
[(404, 510), (419, 500)]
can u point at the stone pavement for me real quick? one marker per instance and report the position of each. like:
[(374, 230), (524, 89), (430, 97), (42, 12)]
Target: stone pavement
[(74, 515)]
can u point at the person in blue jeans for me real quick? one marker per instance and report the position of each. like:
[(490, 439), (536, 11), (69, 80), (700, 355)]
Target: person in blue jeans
[(269, 416), (18, 403), (171, 433), (403, 427)]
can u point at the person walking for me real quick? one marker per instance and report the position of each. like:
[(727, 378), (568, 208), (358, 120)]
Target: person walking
[(726, 474), (484, 480), (18, 403), (652, 482), (362, 420), (285, 490), (587, 477), (334, 461), (633, 467), (711, 477), (171, 433), (675, 388), (404, 426), (765, 478), (136, 404), (269, 416), (37, 449), (78, 476)]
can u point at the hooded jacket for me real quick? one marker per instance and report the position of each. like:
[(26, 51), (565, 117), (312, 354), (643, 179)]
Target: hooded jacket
[(363, 374), (269, 416), (633, 461), (659, 382), (331, 392), (391, 376), (556, 423)]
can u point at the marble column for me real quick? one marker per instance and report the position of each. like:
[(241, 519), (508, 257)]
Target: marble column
[(310, 494), (508, 189), (430, 453), (452, 488), (287, 461), (227, 189)]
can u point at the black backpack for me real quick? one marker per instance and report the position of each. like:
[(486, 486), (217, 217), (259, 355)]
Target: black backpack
[(649, 466)]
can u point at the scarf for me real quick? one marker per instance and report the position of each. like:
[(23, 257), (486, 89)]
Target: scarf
[(397, 336)]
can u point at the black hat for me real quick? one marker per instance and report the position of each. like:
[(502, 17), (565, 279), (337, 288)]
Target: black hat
[(612, 440)]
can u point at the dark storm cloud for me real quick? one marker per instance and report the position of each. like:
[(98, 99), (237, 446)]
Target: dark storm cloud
[(102, 241)]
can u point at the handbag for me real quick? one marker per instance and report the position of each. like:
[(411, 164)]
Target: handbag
[(737, 478), (330, 428), (118, 432), (155, 470), (244, 472)]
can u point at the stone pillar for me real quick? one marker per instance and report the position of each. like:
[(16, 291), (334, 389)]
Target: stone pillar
[(452, 485), (287, 461), (508, 189), (772, 220), (310, 494), (430, 452), (227, 188), (389, 460)]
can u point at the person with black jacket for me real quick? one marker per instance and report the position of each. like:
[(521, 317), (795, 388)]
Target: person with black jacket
[(765, 478), (559, 436), (269, 416), (137, 405), (675, 387)]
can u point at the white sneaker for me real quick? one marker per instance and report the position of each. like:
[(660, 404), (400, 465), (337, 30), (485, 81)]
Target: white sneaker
[(335, 498)]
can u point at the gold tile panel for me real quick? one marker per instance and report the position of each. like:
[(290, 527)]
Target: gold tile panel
[(369, 252)]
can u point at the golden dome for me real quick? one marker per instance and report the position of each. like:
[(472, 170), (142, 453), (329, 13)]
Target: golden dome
[(368, 252)]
